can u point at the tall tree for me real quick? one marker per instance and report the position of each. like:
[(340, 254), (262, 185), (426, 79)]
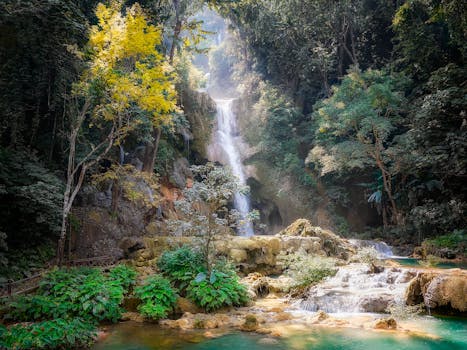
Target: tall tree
[(126, 72)]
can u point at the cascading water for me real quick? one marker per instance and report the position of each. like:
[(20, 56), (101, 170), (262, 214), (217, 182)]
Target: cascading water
[(384, 250), (356, 289), (225, 138)]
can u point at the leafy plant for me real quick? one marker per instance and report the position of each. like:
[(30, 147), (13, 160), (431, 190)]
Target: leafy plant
[(79, 292), (157, 297), (58, 333), (91, 294), (181, 265), (221, 288), (123, 275)]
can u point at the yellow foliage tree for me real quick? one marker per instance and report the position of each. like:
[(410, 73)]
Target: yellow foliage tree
[(125, 71)]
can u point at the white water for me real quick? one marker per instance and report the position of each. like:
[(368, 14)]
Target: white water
[(225, 138), (354, 289), (384, 250)]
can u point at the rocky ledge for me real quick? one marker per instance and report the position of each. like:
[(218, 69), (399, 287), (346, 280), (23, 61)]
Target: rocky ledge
[(442, 291)]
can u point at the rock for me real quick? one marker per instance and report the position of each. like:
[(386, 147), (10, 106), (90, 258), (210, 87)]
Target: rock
[(130, 245), (330, 243), (238, 255), (184, 305), (385, 323), (132, 316), (320, 316), (283, 316), (445, 291), (250, 324), (377, 304)]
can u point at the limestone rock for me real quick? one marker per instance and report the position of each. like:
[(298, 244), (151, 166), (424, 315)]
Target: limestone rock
[(330, 243), (184, 305), (385, 323), (250, 324), (439, 290)]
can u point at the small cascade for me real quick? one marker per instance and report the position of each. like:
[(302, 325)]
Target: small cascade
[(225, 139), (384, 250), (354, 289)]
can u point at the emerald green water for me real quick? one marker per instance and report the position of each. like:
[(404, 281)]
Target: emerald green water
[(441, 265), (132, 336)]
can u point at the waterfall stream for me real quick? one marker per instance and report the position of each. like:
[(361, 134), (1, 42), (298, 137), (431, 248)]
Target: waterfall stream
[(225, 140)]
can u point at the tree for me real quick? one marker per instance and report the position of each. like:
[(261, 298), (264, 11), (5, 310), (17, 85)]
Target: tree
[(125, 72), (356, 125), (204, 210)]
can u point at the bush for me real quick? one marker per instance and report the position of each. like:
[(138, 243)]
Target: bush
[(221, 288), (181, 266), (157, 297), (453, 240), (79, 292), (58, 333), (90, 293), (306, 269), (123, 275)]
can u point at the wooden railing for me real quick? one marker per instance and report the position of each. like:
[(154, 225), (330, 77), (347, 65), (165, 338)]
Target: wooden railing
[(28, 285)]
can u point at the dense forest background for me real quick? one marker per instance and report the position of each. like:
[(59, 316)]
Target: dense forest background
[(361, 103)]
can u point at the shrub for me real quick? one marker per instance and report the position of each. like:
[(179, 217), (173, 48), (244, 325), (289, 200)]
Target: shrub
[(306, 269), (58, 333), (181, 266), (157, 297), (221, 288), (123, 275), (36, 307), (79, 292), (91, 294), (456, 240)]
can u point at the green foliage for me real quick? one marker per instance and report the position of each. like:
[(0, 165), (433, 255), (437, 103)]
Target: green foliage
[(306, 269), (204, 210), (30, 199), (56, 334), (78, 292), (20, 263), (453, 240), (157, 297), (181, 266), (123, 275), (220, 289)]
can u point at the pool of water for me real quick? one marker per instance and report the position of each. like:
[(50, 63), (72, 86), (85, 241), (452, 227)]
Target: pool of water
[(452, 335), (441, 265)]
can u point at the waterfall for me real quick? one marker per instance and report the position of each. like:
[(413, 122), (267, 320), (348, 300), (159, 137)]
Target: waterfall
[(225, 139), (354, 289), (384, 250)]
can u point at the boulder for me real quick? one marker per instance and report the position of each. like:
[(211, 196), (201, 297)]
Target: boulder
[(376, 304), (442, 291), (330, 243), (250, 324), (184, 305), (385, 323)]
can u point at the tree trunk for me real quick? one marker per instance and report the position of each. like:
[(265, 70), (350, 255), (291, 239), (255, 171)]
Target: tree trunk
[(150, 153), (177, 30)]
